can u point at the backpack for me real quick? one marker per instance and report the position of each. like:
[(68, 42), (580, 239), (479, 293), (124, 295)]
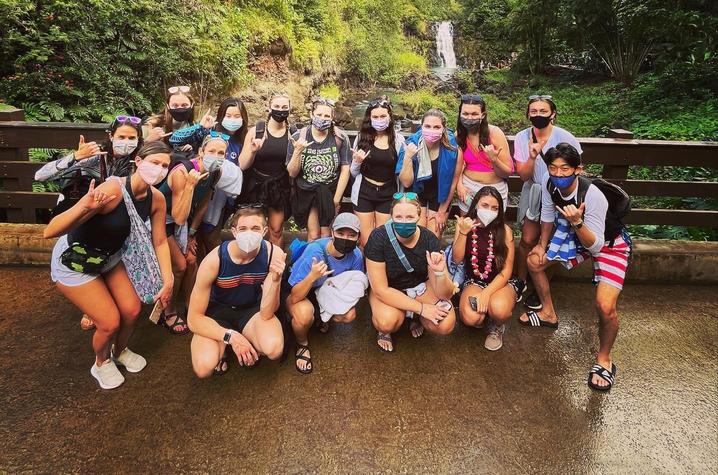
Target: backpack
[(338, 136), (297, 248), (619, 203)]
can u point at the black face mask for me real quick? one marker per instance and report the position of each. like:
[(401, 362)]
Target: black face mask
[(182, 114), (278, 115), (540, 121), (344, 246), (471, 124)]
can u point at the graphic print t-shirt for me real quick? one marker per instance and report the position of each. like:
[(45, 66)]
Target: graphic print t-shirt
[(321, 162)]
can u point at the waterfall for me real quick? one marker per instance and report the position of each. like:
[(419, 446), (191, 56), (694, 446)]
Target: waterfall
[(445, 44)]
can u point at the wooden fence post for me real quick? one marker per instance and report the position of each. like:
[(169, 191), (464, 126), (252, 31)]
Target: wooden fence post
[(617, 172), (22, 183)]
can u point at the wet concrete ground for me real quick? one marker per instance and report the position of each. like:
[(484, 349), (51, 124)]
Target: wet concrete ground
[(438, 405)]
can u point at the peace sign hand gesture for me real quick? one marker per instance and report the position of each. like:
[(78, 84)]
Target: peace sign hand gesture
[(95, 199), (572, 214)]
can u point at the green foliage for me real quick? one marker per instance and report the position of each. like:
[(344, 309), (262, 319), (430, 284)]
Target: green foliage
[(418, 102), (330, 91)]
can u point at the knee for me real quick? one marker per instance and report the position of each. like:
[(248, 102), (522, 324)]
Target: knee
[(348, 317), (132, 311), (533, 263), (274, 347), (445, 327), (389, 322), (202, 370), (275, 233), (527, 242), (302, 313), (606, 309), (109, 323), (471, 318), (180, 266), (500, 313)]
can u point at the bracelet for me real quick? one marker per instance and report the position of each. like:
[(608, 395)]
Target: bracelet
[(463, 234), (439, 274), (192, 232)]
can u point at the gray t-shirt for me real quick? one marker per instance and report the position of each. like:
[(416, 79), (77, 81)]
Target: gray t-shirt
[(321, 162), (594, 217), (521, 148)]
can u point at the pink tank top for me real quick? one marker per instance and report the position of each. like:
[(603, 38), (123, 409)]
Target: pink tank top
[(476, 160)]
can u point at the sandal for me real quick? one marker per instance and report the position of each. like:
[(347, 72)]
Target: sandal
[(535, 321), (385, 337), (416, 329), (223, 365), (176, 327), (86, 322), (299, 355), (608, 376)]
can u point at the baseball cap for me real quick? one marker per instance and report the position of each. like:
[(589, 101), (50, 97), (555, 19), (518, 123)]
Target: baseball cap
[(346, 220)]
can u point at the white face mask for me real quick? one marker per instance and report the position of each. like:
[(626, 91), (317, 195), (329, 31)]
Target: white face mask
[(248, 241), (486, 216), (151, 173), (124, 147)]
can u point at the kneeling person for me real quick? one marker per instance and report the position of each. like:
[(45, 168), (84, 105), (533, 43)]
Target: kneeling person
[(236, 296), (335, 256)]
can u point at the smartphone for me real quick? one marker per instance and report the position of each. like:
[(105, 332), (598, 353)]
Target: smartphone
[(444, 305), (156, 312), (473, 304), (259, 130)]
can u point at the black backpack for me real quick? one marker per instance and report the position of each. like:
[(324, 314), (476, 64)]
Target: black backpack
[(619, 203)]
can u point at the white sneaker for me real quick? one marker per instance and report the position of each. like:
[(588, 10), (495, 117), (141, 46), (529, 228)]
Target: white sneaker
[(495, 338), (107, 375), (132, 362)]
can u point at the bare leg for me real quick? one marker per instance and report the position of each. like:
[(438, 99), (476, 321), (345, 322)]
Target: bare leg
[(276, 226), (313, 229), (265, 336), (530, 233), (606, 299), (302, 314), (541, 283), (127, 303), (366, 226), (206, 354), (446, 325), (386, 320)]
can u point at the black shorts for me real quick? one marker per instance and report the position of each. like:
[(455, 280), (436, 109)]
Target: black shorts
[(375, 198), (430, 201), (312, 297), (229, 317)]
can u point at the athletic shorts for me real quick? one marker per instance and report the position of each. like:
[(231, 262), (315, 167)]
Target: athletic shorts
[(230, 317), (611, 262), (375, 198)]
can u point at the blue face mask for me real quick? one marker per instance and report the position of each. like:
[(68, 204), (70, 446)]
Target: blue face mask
[(321, 124), (562, 182), (232, 124), (405, 230)]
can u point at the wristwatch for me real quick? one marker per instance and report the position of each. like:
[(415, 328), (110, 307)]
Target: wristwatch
[(578, 225), (228, 336)]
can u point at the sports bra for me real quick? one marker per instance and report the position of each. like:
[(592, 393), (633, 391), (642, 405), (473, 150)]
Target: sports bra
[(476, 160)]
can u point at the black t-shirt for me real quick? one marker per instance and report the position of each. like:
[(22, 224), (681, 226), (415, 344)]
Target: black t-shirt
[(379, 249)]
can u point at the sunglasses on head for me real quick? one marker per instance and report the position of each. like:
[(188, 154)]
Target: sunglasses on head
[(540, 98), (123, 119), (250, 206), (324, 102), (408, 195), (471, 99), (215, 134), (176, 89), (380, 103)]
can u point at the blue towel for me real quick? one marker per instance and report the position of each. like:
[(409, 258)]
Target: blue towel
[(564, 245)]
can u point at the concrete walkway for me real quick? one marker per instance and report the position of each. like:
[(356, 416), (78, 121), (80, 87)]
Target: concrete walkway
[(438, 405)]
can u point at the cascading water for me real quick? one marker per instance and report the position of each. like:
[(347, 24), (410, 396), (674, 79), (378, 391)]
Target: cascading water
[(445, 45)]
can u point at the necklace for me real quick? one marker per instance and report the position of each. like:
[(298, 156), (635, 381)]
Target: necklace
[(475, 255)]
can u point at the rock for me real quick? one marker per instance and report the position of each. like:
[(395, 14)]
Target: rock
[(343, 115)]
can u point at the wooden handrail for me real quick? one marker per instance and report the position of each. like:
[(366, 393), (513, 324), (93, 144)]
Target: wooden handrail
[(19, 204)]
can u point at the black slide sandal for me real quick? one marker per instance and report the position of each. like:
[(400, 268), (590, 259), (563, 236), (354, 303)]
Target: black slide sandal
[(608, 376), (535, 321), (299, 355)]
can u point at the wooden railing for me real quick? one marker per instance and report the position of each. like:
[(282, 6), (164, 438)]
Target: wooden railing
[(616, 154)]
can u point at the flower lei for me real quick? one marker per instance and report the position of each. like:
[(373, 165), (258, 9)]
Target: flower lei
[(475, 255)]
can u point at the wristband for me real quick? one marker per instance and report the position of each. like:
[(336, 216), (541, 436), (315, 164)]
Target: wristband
[(192, 232), (439, 274)]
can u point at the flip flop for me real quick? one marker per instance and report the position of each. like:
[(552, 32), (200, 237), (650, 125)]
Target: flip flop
[(299, 355), (535, 321), (385, 337), (223, 363), (608, 376)]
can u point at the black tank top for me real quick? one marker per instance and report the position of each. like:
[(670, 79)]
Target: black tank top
[(271, 159), (108, 232), (380, 165)]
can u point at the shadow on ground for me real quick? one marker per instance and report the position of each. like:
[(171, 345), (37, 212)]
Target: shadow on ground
[(438, 405)]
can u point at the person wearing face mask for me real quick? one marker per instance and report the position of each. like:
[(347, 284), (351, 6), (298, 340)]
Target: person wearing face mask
[(231, 121), (482, 254), (188, 190), (321, 264), (236, 296), (484, 157), (178, 114), (87, 267), (408, 276), (263, 160), (318, 159), (427, 166), (575, 226), (530, 146), (376, 152)]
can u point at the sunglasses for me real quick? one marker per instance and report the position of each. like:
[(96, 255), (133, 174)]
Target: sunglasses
[(380, 103), (250, 206), (408, 195), (540, 98), (123, 119), (471, 99), (215, 134), (325, 102), (176, 89)]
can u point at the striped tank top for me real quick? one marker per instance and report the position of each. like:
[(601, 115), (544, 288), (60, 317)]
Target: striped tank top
[(240, 285)]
